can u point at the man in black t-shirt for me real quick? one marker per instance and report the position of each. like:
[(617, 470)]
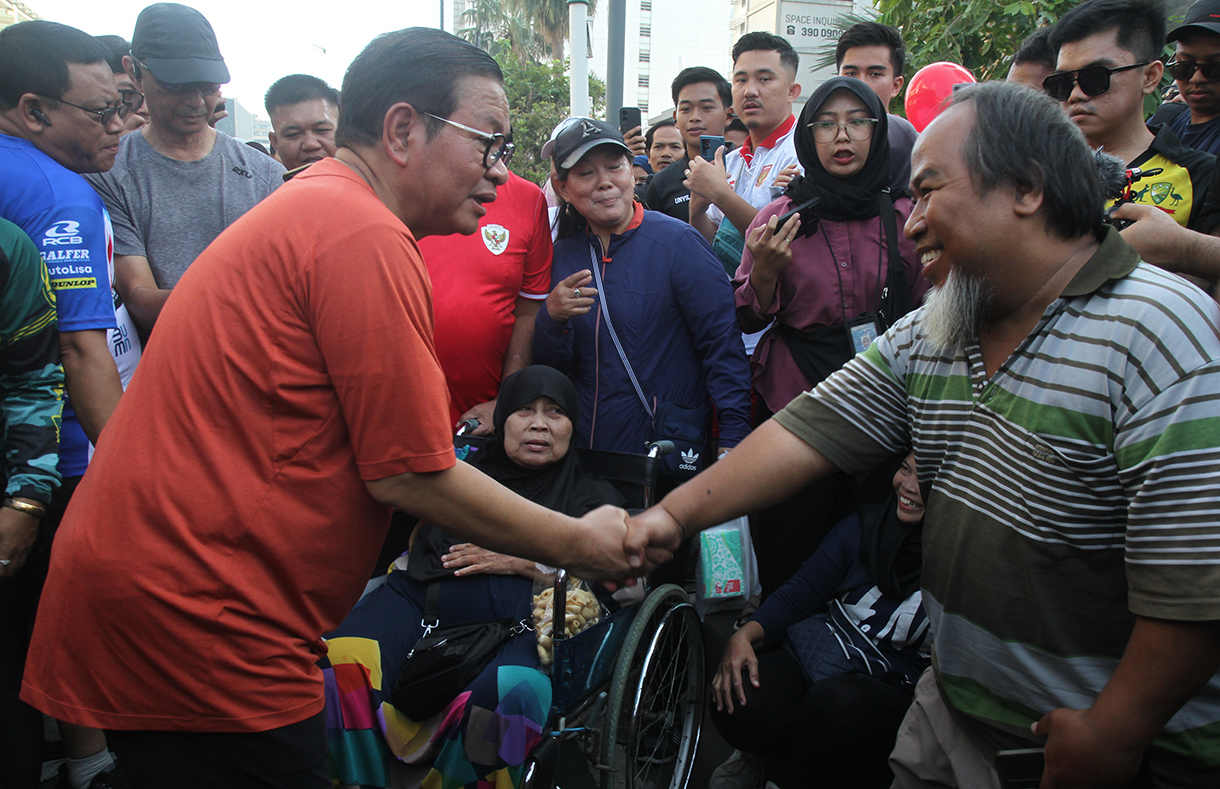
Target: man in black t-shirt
[(1196, 120), (703, 104)]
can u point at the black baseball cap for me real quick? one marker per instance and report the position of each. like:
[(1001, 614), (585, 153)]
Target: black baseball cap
[(178, 45), (1202, 16), (581, 136)]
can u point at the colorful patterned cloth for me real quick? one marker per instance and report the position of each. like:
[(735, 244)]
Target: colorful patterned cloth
[(481, 740)]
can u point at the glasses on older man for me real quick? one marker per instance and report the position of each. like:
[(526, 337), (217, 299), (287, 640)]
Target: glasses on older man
[(498, 149), (1093, 80), (104, 115), (1185, 69), (858, 129)]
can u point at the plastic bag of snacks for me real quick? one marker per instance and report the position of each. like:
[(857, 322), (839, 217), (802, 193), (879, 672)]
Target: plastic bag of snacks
[(581, 610)]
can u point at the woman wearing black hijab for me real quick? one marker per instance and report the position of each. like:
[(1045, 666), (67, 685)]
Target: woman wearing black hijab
[(830, 283), (487, 732), (812, 689), (823, 280)]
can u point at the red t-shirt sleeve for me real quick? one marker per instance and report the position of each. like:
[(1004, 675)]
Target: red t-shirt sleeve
[(537, 278), (379, 352)]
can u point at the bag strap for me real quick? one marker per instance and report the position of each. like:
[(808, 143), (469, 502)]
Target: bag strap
[(601, 289), (432, 607), (895, 297)]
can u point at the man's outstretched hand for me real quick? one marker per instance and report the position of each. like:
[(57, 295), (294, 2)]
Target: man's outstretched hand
[(652, 537)]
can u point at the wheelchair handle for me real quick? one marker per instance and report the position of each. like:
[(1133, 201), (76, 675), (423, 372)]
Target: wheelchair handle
[(658, 448), (560, 603), (467, 426)]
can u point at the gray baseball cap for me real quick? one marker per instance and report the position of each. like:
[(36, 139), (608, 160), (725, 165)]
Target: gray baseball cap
[(581, 136), (178, 45)]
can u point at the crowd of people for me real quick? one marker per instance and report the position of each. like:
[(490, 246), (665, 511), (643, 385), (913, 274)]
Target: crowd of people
[(226, 370)]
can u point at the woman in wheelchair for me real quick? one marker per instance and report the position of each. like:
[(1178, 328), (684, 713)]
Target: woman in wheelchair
[(840, 648), (485, 734)]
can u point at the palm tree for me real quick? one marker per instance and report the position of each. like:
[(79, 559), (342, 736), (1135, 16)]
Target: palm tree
[(495, 28), (549, 18)]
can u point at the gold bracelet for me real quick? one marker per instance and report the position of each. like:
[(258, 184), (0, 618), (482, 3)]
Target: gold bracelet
[(34, 510)]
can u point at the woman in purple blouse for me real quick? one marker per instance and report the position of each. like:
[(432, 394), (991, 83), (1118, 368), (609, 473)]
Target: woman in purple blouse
[(823, 278)]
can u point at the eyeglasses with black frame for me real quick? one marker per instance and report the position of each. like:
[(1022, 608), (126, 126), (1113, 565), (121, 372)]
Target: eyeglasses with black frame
[(858, 129), (133, 97), (106, 114), (1185, 69), (498, 149), (1093, 80)]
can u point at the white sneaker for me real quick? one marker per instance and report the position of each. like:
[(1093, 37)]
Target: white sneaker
[(740, 771)]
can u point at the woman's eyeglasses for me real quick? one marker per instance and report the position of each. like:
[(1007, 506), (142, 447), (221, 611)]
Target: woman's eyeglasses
[(1093, 80), (858, 129), (1185, 69)]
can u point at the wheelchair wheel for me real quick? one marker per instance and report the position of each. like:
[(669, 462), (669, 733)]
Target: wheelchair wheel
[(654, 712)]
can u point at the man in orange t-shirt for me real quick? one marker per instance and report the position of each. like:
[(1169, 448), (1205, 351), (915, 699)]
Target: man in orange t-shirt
[(240, 493)]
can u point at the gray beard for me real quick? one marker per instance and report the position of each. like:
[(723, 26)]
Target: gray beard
[(954, 313)]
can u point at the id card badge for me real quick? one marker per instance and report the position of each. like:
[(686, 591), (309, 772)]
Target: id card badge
[(863, 331)]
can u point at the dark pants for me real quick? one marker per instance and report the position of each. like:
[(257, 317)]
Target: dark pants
[(21, 724), (290, 757), (788, 533), (833, 733)]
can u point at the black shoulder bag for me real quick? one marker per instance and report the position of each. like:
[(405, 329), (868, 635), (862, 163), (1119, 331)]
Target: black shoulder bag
[(447, 659), (820, 351)]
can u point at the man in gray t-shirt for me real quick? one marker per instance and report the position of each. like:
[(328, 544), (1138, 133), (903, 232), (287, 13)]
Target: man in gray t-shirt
[(176, 183), (167, 210)]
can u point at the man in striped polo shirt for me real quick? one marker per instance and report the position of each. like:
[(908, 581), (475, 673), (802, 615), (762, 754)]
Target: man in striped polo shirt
[(1063, 399)]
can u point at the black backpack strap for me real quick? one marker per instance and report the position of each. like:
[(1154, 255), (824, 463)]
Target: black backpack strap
[(896, 295)]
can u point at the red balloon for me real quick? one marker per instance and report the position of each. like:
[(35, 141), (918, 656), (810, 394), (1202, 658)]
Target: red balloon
[(928, 89)]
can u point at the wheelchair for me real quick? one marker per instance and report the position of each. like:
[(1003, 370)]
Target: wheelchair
[(629, 692)]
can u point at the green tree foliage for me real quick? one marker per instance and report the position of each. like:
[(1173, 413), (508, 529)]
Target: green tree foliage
[(981, 35), (537, 101), (549, 18), (497, 27), (529, 29)]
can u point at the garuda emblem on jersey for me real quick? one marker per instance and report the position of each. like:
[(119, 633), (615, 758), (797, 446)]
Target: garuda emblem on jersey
[(496, 238)]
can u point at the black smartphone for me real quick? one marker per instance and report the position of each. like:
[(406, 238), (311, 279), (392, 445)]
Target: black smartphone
[(804, 208), (1020, 768), (628, 119), (709, 144)]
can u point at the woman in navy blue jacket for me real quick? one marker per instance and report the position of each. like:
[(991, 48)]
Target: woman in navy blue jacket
[(666, 293)]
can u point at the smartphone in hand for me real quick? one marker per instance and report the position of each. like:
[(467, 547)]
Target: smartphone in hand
[(806, 208), (628, 119), (1020, 768), (709, 144)]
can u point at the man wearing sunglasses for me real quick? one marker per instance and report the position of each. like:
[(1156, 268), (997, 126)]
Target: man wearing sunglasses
[(60, 115), (1106, 64), (119, 48), (1196, 72), (203, 180)]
